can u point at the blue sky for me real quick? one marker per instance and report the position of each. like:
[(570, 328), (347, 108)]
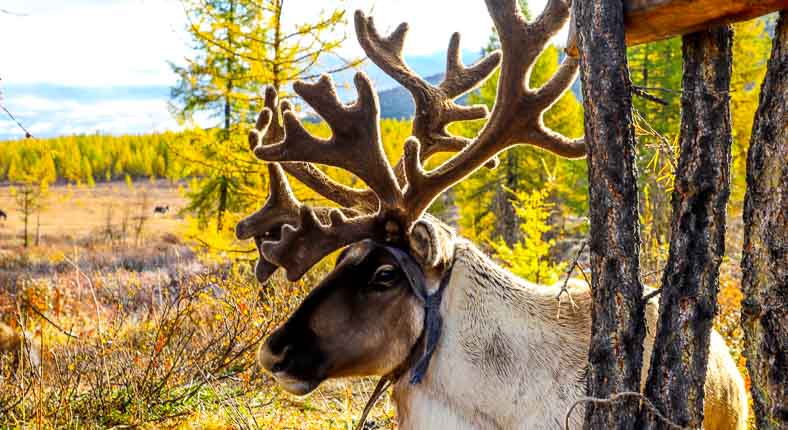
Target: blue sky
[(84, 66)]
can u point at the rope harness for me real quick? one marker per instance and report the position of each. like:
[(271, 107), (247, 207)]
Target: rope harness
[(419, 358)]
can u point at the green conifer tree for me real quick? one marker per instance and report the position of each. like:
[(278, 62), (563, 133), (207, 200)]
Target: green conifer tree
[(241, 46)]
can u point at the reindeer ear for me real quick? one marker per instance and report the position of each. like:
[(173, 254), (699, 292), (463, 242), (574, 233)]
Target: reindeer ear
[(431, 244)]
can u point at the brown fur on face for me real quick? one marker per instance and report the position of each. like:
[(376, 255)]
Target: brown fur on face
[(350, 325)]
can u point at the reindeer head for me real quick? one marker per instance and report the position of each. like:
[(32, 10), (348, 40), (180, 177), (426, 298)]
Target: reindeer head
[(366, 317)]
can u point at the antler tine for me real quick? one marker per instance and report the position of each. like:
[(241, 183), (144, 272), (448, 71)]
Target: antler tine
[(267, 225), (281, 208), (435, 106), (355, 143), (300, 248), (550, 21), (517, 115), (460, 79), (269, 130), (365, 200)]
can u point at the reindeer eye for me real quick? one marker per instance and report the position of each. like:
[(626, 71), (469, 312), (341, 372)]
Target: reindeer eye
[(385, 276)]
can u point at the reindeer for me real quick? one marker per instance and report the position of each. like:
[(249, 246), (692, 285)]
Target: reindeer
[(464, 343)]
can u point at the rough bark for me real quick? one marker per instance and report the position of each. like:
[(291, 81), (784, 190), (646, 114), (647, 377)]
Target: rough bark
[(765, 262), (688, 300), (618, 327), (507, 224)]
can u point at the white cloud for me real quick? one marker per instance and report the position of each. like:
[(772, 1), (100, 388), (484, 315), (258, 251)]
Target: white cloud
[(70, 117), (128, 42), (42, 127), (92, 43), (95, 44)]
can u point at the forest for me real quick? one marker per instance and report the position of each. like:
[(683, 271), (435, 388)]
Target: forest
[(121, 266)]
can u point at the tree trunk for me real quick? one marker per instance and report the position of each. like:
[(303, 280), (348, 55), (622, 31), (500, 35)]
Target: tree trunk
[(38, 227), (277, 42), (618, 326), (507, 223), (228, 113), (26, 212), (688, 300), (223, 196), (765, 262), (228, 109)]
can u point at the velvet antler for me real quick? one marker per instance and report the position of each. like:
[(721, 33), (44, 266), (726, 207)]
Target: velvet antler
[(517, 115), (295, 236), (435, 106)]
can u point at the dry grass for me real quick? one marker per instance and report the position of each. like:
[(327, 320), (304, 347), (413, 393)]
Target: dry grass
[(159, 337), (74, 212), (148, 336)]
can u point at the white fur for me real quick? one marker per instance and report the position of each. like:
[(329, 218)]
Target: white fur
[(538, 372)]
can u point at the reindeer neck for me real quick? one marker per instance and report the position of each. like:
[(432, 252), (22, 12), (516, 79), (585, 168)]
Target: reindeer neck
[(502, 354)]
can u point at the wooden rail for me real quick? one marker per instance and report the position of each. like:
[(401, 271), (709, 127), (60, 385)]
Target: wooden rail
[(652, 20)]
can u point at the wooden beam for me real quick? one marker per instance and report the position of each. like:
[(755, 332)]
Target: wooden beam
[(651, 20)]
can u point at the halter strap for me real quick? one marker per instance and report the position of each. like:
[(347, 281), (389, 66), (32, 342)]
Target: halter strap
[(433, 325)]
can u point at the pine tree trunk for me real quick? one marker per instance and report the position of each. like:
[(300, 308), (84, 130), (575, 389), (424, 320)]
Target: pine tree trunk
[(507, 224), (765, 262), (618, 326), (223, 196), (38, 227), (688, 300), (26, 211)]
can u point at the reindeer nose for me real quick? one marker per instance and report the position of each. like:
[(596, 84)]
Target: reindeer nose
[(273, 354), (271, 362)]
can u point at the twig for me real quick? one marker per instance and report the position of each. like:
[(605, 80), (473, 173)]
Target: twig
[(566, 281), (615, 397), (664, 146), (8, 12), (92, 292), (41, 314), (217, 248), (641, 92), (583, 272), (10, 115), (666, 90), (652, 294)]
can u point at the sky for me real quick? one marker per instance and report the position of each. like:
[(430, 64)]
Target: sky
[(87, 66)]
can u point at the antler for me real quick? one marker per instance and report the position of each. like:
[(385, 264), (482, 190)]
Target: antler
[(281, 208), (435, 106), (517, 114), (295, 236), (274, 236), (292, 235), (355, 145), (269, 131)]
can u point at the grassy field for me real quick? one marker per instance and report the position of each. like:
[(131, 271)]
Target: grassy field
[(138, 330), (78, 212)]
